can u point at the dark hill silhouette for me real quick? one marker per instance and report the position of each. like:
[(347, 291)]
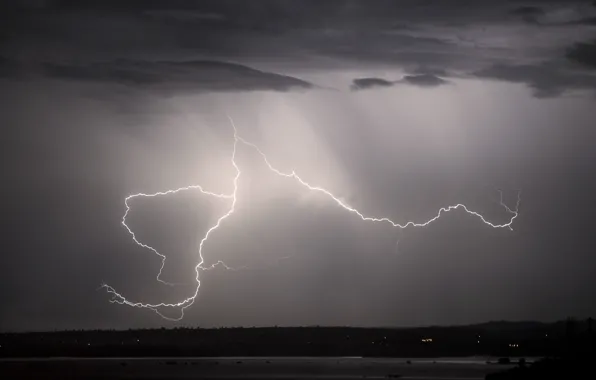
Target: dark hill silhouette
[(493, 338)]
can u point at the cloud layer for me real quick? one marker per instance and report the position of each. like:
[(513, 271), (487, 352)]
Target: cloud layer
[(419, 80), (139, 42), (177, 76)]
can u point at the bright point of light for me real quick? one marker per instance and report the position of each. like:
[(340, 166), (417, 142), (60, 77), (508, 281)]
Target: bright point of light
[(184, 304)]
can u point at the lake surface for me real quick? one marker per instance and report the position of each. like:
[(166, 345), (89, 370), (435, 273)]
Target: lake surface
[(250, 368)]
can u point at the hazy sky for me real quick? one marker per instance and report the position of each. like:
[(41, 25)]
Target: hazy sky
[(398, 107)]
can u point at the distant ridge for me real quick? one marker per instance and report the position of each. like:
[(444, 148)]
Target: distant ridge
[(500, 338)]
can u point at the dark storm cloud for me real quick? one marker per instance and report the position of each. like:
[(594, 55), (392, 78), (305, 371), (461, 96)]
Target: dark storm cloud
[(334, 33), (555, 14), (545, 80), (372, 46), (588, 21), (185, 75), (424, 80), (420, 80), (528, 13), (232, 27), (8, 67), (583, 53), (366, 83), (425, 70)]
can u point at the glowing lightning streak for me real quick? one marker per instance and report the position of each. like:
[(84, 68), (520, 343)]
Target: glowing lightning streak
[(371, 219), (134, 238), (118, 298)]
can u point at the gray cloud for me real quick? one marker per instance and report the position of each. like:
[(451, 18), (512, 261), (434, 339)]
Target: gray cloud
[(424, 80), (556, 14), (366, 83), (420, 80), (425, 69), (583, 53), (546, 80), (327, 35), (528, 13), (8, 67), (170, 75), (588, 21)]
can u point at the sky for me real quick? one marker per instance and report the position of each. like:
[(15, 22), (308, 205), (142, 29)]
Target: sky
[(397, 107)]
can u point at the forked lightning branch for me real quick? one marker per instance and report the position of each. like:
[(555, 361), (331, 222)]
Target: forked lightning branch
[(231, 198)]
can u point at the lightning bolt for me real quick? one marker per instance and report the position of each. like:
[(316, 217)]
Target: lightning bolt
[(186, 303), (160, 193), (118, 298), (386, 220)]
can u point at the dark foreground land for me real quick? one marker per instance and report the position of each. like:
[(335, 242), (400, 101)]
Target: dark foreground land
[(247, 368), (490, 339), (498, 350)]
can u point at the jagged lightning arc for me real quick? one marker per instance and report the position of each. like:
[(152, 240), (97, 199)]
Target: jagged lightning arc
[(134, 237), (184, 304)]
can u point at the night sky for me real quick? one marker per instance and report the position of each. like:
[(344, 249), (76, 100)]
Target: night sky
[(398, 107)]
